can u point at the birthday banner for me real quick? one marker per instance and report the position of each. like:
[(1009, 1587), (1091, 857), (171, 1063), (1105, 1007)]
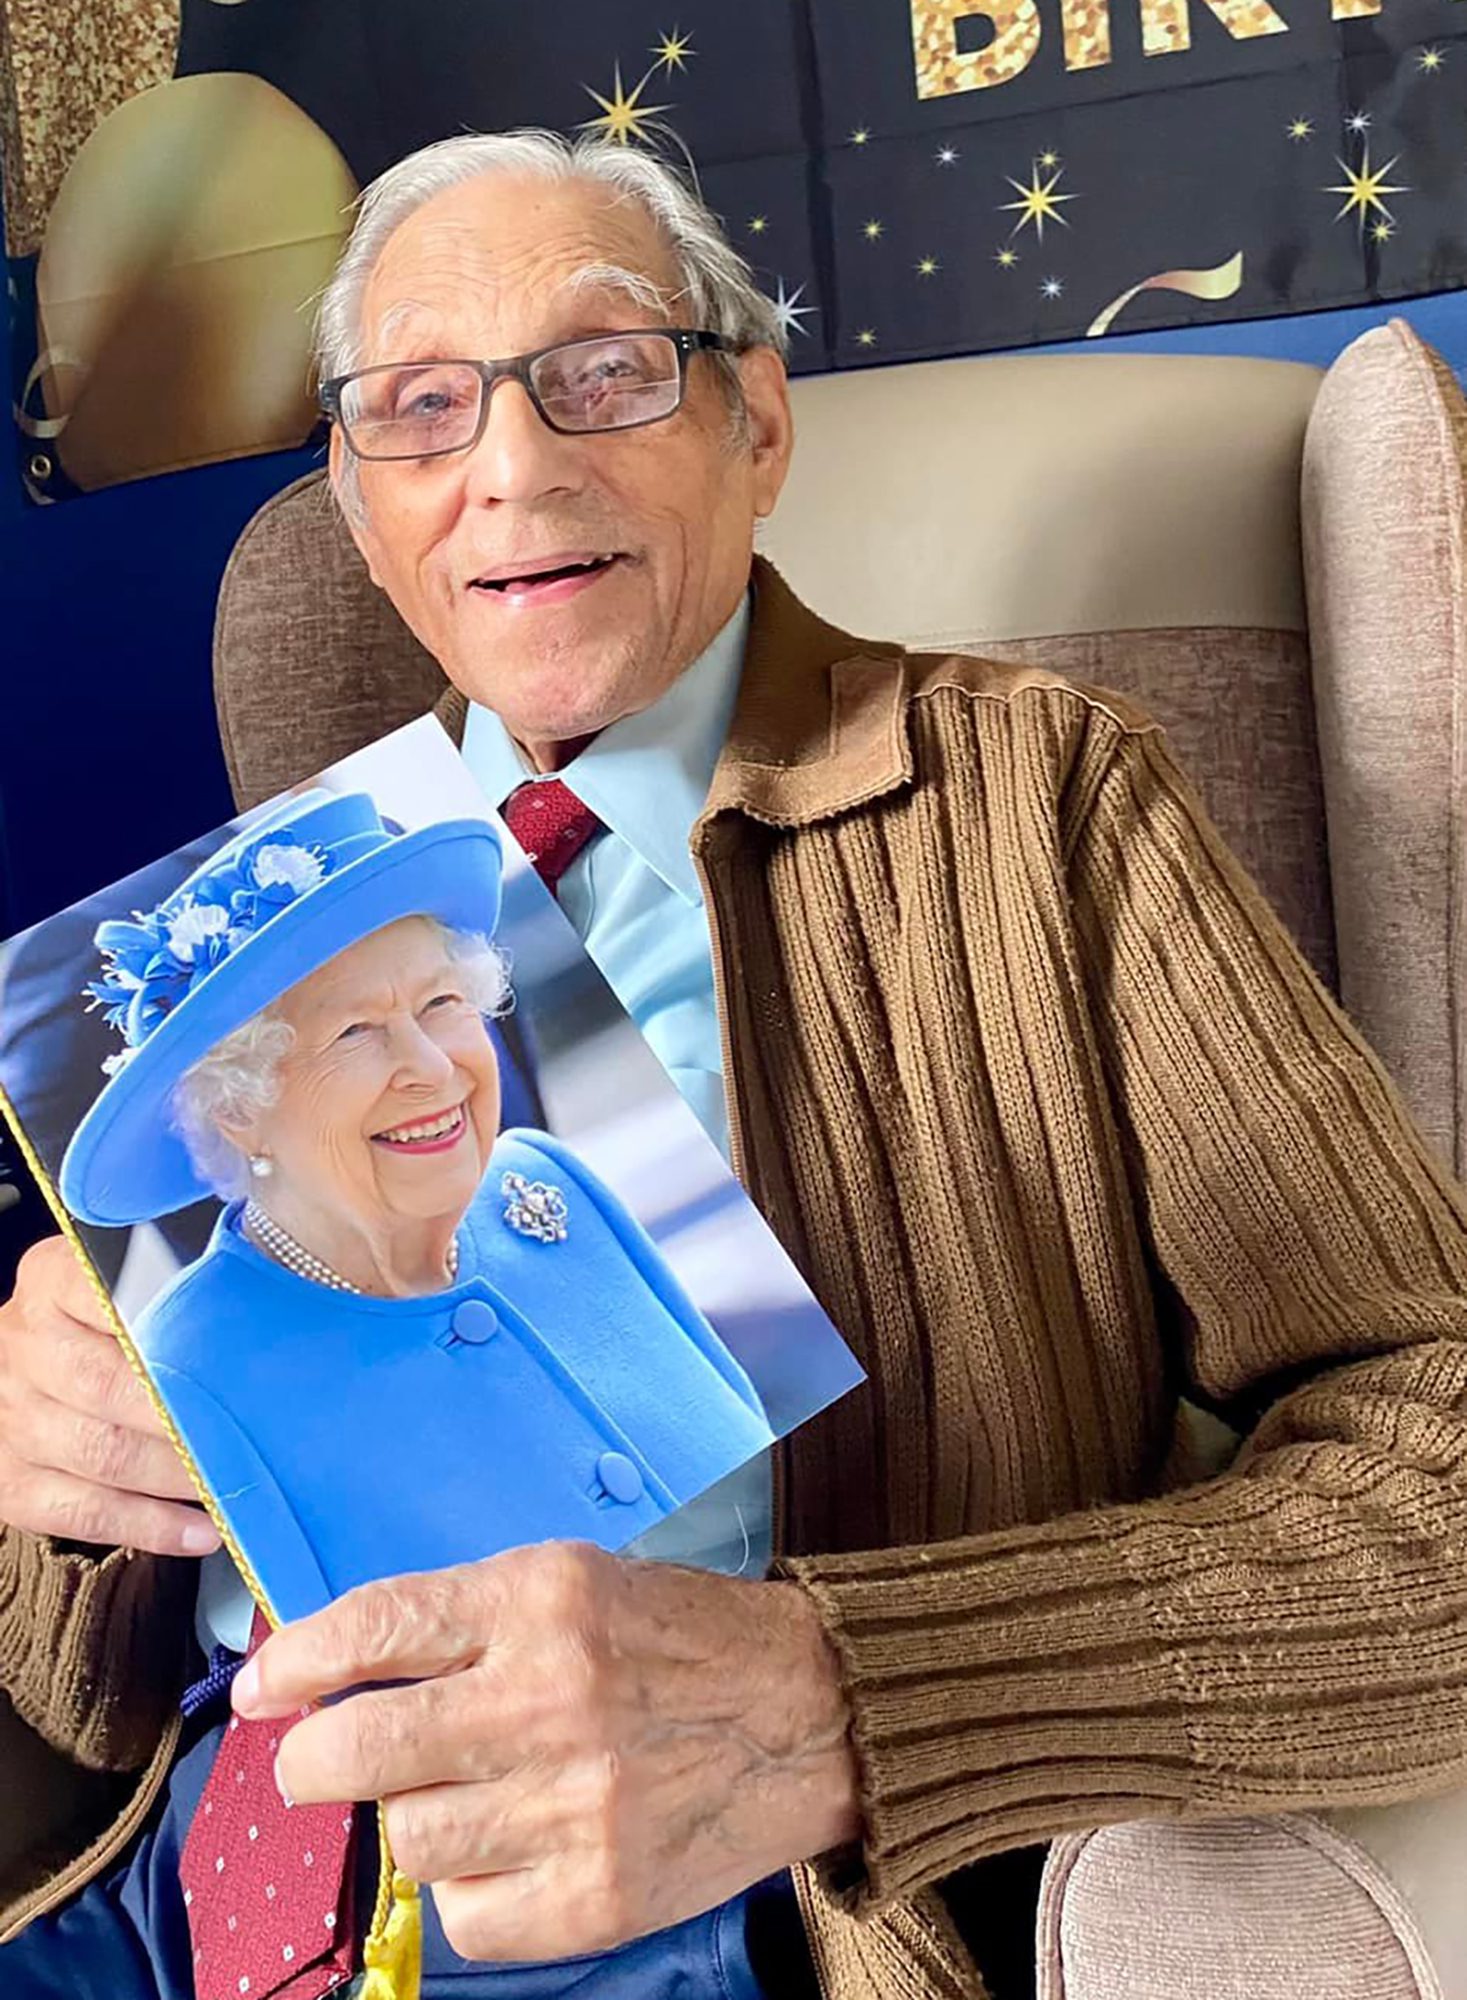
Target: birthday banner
[(908, 178)]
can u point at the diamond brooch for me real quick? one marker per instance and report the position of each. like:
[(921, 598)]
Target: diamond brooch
[(534, 1208)]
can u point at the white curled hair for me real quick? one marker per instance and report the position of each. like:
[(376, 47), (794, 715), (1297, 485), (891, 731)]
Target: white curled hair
[(239, 1078), (715, 287)]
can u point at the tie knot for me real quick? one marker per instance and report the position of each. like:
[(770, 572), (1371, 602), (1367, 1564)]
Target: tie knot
[(551, 824)]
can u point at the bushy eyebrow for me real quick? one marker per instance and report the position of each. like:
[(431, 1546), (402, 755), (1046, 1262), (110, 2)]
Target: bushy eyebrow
[(643, 290), (396, 317)]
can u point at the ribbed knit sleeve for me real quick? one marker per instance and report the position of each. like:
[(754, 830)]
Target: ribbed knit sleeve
[(1294, 1632), (92, 1648)]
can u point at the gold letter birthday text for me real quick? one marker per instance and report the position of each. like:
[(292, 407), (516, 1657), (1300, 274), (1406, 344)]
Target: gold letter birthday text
[(1166, 24), (942, 71)]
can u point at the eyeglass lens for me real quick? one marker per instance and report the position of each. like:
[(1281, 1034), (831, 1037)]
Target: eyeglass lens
[(588, 385)]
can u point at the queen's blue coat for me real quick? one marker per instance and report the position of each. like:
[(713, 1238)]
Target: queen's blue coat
[(555, 1390)]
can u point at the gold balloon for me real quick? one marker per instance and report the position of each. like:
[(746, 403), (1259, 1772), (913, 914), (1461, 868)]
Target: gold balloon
[(182, 257)]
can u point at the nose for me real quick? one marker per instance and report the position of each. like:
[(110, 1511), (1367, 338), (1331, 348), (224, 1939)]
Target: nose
[(418, 1061), (518, 457)]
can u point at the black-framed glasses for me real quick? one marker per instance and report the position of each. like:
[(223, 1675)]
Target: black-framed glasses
[(606, 382)]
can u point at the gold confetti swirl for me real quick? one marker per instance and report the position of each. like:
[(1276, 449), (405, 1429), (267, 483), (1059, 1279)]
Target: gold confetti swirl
[(1222, 282), (26, 420)]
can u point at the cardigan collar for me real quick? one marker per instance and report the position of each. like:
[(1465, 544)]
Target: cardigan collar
[(820, 721)]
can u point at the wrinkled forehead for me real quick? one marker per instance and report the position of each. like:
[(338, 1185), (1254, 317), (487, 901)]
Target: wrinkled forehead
[(510, 265)]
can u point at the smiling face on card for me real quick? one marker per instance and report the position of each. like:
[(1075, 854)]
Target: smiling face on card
[(387, 1103), (562, 581)]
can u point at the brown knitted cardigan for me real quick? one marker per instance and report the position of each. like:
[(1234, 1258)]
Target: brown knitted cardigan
[(1059, 1126)]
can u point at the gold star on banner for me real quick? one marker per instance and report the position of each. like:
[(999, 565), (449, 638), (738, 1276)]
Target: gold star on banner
[(1364, 188), (1006, 258), (866, 337), (946, 155), (1053, 288), (860, 135), (673, 51), (1382, 232), (1300, 128), (623, 116), (1038, 201), (758, 224), (1049, 160), (927, 267), (1430, 60), (873, 229)]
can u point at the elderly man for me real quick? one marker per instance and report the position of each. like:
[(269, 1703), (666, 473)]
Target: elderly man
[(1029, 1082)]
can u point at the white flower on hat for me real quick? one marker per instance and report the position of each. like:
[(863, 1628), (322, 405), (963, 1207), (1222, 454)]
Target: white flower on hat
[(296, 867), (190, 929)]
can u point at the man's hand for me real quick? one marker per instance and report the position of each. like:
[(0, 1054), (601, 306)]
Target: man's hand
[(83, 1454), (591, 1748)]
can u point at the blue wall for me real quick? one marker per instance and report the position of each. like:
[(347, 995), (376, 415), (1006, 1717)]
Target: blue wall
[(108, 755)]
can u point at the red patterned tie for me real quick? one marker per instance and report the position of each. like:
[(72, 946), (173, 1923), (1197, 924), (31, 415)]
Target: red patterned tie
[(551, 824), (267, 1886)]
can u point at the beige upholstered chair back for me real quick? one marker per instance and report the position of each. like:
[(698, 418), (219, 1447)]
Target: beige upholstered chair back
[(1385, 550), (310, 660)]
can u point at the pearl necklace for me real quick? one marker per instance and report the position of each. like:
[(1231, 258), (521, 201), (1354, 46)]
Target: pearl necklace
[(282, 1246)]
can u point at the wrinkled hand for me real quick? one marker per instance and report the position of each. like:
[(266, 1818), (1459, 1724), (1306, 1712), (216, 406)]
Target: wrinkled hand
[(591, 1748), (83, 1454)]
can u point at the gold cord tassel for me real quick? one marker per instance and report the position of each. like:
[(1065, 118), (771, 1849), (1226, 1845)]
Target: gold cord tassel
[(393, 1953)]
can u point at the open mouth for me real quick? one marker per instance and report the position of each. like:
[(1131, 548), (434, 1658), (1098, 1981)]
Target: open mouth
[(545, 582), (426, 1135)]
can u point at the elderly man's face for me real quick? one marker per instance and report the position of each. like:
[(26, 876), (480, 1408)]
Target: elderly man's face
[(499, 267)]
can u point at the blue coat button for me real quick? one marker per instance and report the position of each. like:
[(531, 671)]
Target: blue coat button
[(620, 1477), (475, 1321)]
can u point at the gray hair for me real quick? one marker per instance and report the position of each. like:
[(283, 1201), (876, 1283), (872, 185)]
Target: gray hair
[(239, 1078), (715, 287)]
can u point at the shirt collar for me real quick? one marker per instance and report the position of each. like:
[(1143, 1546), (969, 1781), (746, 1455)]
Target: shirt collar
[(646, 777)]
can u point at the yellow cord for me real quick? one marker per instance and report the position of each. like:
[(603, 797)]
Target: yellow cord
[(393, 1953)]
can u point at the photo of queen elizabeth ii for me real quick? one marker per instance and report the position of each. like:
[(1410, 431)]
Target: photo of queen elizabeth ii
[(414, 1338)]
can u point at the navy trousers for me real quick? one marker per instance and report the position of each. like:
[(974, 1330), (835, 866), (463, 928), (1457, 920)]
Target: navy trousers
[(125, 1937)]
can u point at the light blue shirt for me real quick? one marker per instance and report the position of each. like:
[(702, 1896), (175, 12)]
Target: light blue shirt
[(633, 898), (632, 894)]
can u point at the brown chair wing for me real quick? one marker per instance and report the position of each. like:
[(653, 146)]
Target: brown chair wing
[(310, 659)]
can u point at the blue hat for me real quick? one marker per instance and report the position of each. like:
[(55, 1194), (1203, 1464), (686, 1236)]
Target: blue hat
[(316, 875)]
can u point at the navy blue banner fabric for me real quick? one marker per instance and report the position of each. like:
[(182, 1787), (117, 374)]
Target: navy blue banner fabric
[(908, 177)]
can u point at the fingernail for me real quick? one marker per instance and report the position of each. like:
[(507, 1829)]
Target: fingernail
[(199, 1538), (280, 1785), (245, 1691)]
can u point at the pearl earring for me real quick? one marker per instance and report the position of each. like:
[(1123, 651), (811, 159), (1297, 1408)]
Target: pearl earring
[(261, 1166)]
